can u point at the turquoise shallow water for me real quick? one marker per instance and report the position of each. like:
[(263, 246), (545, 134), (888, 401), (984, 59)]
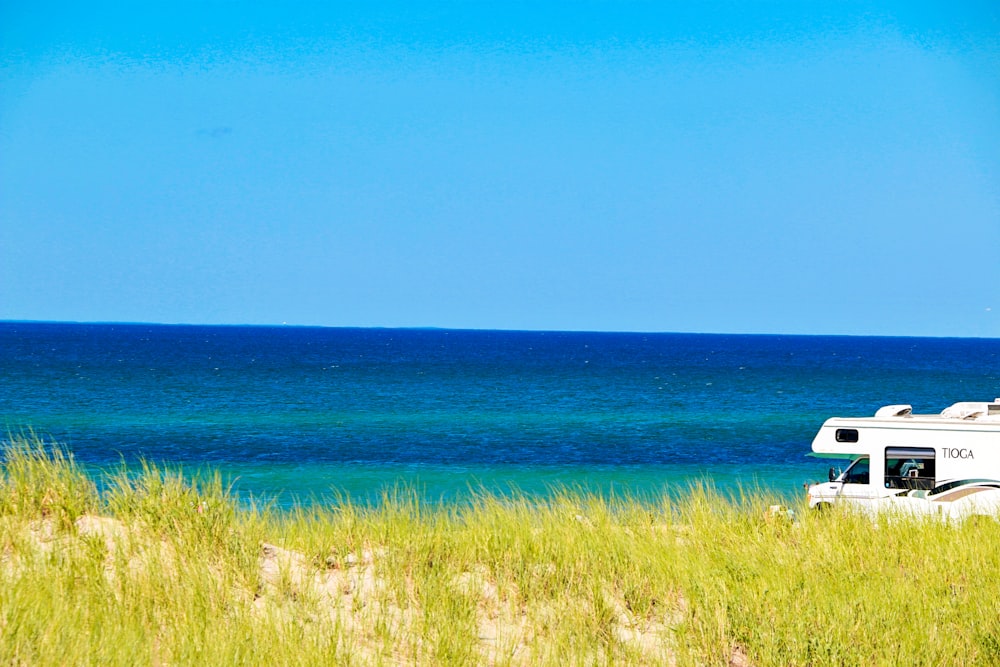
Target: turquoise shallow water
[(291, 483), (299, 414)]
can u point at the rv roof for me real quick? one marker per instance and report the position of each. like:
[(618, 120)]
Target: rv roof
[(965, 410)]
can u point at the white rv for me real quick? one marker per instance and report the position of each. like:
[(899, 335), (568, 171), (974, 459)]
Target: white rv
[(946, 465)]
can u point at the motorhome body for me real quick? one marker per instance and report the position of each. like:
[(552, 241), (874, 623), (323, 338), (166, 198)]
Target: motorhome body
[(946, 464)]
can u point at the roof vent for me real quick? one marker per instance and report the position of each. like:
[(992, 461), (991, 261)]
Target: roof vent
[(965, 410), (894, 411)]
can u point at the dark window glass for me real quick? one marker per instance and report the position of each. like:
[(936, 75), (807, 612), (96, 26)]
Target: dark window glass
[(909, 468), (858, 472), (847, 435)]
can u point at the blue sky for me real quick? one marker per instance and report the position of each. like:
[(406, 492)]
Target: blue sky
[(771, 167)]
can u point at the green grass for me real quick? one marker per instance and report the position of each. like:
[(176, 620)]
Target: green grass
[(162, 570)]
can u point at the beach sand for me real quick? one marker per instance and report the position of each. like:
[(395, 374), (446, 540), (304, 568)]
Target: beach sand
[(349, 593)]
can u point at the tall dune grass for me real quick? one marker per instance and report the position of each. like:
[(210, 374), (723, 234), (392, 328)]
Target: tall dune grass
[(158, 569)]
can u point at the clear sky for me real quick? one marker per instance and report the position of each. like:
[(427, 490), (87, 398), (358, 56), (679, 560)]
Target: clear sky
[(772, 167)]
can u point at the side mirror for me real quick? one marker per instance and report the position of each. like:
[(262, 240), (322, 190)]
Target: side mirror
[(832, 475)]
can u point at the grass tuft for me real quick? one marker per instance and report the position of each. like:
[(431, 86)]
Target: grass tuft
[(41, 480)]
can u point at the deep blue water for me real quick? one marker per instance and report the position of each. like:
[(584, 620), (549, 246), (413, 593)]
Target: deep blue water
[(291, 412)]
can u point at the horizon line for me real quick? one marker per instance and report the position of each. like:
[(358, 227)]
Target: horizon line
[(287, 325)]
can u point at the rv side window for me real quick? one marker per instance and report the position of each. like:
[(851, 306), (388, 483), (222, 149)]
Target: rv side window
[(846, 435), (858, 472), (909, 468)]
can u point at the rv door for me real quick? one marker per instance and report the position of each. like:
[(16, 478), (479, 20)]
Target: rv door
[(856, 481)]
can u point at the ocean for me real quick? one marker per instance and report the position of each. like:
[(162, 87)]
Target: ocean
[(302, 415)]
